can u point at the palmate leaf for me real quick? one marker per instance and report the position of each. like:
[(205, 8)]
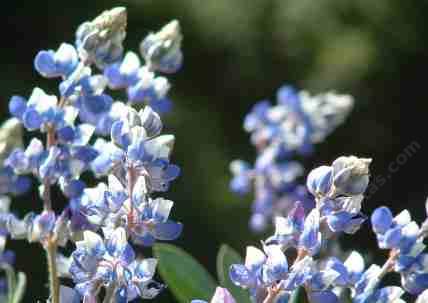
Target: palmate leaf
[(184, 275), (227, 256)]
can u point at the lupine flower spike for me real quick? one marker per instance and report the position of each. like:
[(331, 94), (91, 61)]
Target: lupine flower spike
[(135, 158)]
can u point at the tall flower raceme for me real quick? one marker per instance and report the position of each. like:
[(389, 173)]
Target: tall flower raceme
[(135, 158), (338, 192), (281, 132)]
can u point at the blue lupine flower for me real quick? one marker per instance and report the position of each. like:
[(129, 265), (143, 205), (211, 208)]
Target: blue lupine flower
[(250, 274), (94, 109), (75, 218), (148, 88), (257, 117), (300, 272), (366, 289), (355, 267), (339, 190), (82, 83), (274, 185), (67, 160), (13, 183), (34, 228), (140, 148), (100, 40), (150, 222), (41, 226), (40, 110), (96, 203), (330, 276), (297, 231), (60, 63), (291, 127), (325, 111), (101, 203), (162, 50), (394, 233), (221, 295), (28, 161), (241, 182), (264, 270), (348, 176), (113, 264), (298, 120), (389, 294), (146, 220), (289, 229), (124, 73), (310, 239), (415, 282), (320, 180)]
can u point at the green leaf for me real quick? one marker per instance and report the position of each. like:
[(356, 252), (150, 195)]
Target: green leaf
[(227, 256), (298, 296), (184, 275)]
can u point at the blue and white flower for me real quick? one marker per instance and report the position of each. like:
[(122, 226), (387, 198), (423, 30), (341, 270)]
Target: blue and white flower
[(112, 264)]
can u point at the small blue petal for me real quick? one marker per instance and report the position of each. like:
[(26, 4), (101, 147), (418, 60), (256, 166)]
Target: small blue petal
[(17, 106), (338, 221), (146, 240), (74, 188), (381, 219), (287, 95), (320, 180), (21, 185), (392, 237), (336, 265), (66, 134), (161, 106), (310, 238), (240, 184), (44, 63), (32, 119), (167, 231), (172, 172)]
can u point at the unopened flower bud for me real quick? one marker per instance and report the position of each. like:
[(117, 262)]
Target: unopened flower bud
[(162, 50), (319, 180), (10, 137), (100, 40), (350, 175)]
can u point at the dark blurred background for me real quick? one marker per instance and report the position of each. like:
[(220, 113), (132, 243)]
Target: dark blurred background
[(236, 53)]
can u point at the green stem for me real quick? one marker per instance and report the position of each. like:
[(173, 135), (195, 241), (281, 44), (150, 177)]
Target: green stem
[(51, 244), (21, 283), (11, 279), (109, 297), (51, 250)]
